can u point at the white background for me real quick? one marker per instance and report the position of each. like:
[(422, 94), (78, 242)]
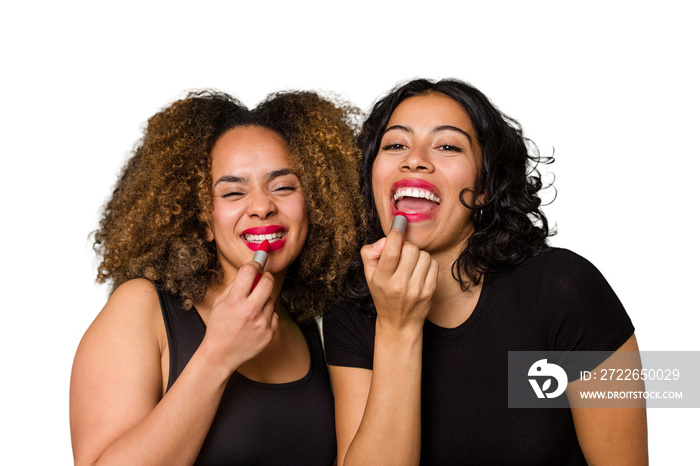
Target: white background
[(611, 86)]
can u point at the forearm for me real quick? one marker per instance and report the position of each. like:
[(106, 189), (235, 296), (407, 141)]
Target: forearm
[(390, 430)]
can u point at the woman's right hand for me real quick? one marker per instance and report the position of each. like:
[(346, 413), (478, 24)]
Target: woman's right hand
[(242, 322), (402, 280)]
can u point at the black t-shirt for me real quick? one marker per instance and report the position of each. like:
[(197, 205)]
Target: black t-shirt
[(555, 301), (259, 423)]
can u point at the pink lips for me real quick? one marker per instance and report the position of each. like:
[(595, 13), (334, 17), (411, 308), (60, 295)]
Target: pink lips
[(413, 183), (265, 230)]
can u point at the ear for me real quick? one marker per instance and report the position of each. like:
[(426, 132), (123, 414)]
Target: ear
[(209, 232), (479, 200)]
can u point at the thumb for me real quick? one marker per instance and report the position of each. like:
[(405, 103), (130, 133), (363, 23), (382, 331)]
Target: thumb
[(370, 254)]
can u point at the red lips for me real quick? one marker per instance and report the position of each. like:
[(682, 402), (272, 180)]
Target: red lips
[(276, 235)]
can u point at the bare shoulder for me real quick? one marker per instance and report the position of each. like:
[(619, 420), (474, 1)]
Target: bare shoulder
[(136, 296), (134, 306), (129, 325)]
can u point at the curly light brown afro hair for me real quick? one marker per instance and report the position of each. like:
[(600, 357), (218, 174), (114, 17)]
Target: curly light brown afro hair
[(154, 225)]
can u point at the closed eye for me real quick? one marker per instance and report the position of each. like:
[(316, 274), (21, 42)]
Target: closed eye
[(290, 189), (232, 194)]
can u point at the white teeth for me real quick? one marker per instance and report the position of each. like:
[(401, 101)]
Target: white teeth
[(260, 238), (417, 193)]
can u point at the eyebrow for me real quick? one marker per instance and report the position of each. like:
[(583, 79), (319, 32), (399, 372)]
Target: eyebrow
[(268, 176), (436, 129), (277, 173)]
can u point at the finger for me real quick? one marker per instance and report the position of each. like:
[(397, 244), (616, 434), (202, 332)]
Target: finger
[(370, 256), (274, 320), (240, 286), (372, 252), (420, 271), (271, 318), (225, 293), (431, 279), (249, 271), (407, 263), (268, 310), (390, 256), (263, 289)]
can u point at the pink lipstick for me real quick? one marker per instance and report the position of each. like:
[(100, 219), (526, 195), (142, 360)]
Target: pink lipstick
[(260, 257)]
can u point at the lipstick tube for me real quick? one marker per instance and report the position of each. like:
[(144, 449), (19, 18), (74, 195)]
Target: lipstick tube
[(260, 257), (399, 222)]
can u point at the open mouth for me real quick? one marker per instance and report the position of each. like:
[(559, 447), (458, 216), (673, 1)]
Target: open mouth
[(415, 199)]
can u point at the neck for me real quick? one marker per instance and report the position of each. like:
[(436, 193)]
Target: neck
[(451, 306)]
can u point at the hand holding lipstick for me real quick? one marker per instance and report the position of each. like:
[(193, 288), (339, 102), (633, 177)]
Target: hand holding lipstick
[(402, 279), (243, 322)]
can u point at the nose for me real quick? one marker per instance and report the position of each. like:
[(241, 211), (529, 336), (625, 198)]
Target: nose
[(417, 159), (261, 204)]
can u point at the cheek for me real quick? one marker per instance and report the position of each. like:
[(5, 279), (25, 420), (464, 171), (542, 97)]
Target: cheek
[(464, 177), (304, 232), (296, 210), (379, 175), (224, 214), (216, 214), (304, 224)]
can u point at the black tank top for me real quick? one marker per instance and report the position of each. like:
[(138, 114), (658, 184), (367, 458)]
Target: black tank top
[(257, 423)]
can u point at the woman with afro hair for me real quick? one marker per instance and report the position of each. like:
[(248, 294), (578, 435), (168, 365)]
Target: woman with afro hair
[(192, 359)]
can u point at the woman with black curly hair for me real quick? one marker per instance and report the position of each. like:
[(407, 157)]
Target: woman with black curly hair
[(191, 361), (418, 346)]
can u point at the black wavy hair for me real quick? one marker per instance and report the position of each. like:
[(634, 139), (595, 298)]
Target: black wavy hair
[(508, 226)]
